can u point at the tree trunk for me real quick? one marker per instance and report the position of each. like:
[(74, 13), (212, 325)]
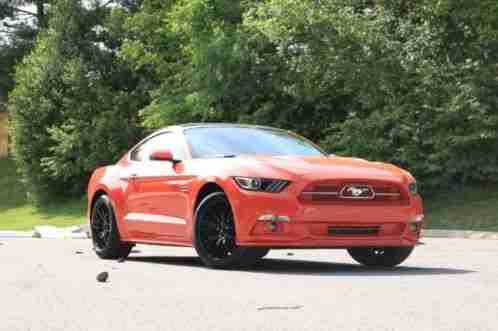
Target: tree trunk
[(40, 13)]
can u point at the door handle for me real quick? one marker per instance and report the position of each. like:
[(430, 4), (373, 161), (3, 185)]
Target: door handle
[(127, 177)]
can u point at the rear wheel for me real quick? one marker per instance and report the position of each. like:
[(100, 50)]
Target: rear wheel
[(380, 256), (105, 233), (214, 235)]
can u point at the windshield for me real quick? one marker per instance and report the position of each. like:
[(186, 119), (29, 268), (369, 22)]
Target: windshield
[(208, 142)]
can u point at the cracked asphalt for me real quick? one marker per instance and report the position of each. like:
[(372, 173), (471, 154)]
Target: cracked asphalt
[(447, 284)]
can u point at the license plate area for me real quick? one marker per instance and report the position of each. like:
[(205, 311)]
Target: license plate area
[(353, 230)]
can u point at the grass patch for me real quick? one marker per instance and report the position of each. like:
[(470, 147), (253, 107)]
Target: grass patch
[(463, 208), (17, 214)]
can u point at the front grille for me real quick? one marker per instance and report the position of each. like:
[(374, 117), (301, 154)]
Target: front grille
[(353, 231), (371, 193)]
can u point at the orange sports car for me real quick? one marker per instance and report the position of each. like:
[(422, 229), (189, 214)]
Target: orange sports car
[(234, 192)]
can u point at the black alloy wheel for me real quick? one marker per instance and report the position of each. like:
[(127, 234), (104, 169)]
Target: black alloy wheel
[(105, 233), (101, 225), (215, 235), (217, 230)]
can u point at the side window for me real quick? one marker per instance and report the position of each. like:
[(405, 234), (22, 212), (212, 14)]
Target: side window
[(170, 141), (138, 153)]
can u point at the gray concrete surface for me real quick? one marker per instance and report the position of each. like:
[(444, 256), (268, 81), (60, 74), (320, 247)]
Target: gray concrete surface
[(447, 284)]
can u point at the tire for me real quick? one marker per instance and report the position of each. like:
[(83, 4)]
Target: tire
[(259, 253), (387, 257), (105, 234), (214, 235)]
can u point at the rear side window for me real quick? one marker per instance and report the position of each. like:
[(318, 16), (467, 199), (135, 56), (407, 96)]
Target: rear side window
[(137, 154)]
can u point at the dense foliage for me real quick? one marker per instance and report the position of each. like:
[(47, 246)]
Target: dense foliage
[(19, 26), (410, 82), (74, 104)]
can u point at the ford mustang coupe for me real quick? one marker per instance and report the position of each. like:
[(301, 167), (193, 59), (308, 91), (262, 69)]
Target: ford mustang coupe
[(234, 192)]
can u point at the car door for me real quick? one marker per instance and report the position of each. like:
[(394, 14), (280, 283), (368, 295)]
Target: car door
[(159, 202)]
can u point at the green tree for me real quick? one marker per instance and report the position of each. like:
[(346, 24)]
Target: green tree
[(440, 116), (73, 107), (410, 82), (20, 22), (413, 83)]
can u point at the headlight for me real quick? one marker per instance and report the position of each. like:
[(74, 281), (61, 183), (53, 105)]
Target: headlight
[(248, 183), (261, 184), (413, 188)]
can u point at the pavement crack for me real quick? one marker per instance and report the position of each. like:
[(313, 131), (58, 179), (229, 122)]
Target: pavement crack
[(280, 307)]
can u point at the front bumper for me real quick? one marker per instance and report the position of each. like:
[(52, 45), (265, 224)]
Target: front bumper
[(299, 235), (296, 225)]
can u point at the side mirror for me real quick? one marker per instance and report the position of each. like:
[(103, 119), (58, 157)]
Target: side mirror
[(163, 155)]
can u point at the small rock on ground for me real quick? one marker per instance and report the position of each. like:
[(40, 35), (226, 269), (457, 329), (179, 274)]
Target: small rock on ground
[(102, 277)]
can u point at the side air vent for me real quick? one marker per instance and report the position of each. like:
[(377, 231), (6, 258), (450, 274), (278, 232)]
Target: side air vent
[(273, 185)]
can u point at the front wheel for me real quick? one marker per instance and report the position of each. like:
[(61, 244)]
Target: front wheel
[(387, 257), (105, 233), (214, 235)]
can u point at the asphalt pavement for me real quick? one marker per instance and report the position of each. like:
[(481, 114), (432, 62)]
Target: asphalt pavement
[(447, 284)]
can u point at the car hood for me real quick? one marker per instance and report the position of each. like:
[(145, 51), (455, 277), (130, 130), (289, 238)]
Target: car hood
[(317, 168)]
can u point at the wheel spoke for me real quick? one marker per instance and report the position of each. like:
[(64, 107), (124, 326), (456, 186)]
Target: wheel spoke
[(101, 226), (101, 215)]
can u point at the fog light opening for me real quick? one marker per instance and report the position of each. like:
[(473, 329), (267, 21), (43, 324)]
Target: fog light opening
[(415, 224), (273, 218)]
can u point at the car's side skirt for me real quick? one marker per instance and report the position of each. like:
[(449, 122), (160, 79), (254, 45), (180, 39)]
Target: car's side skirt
[(153, 218)]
